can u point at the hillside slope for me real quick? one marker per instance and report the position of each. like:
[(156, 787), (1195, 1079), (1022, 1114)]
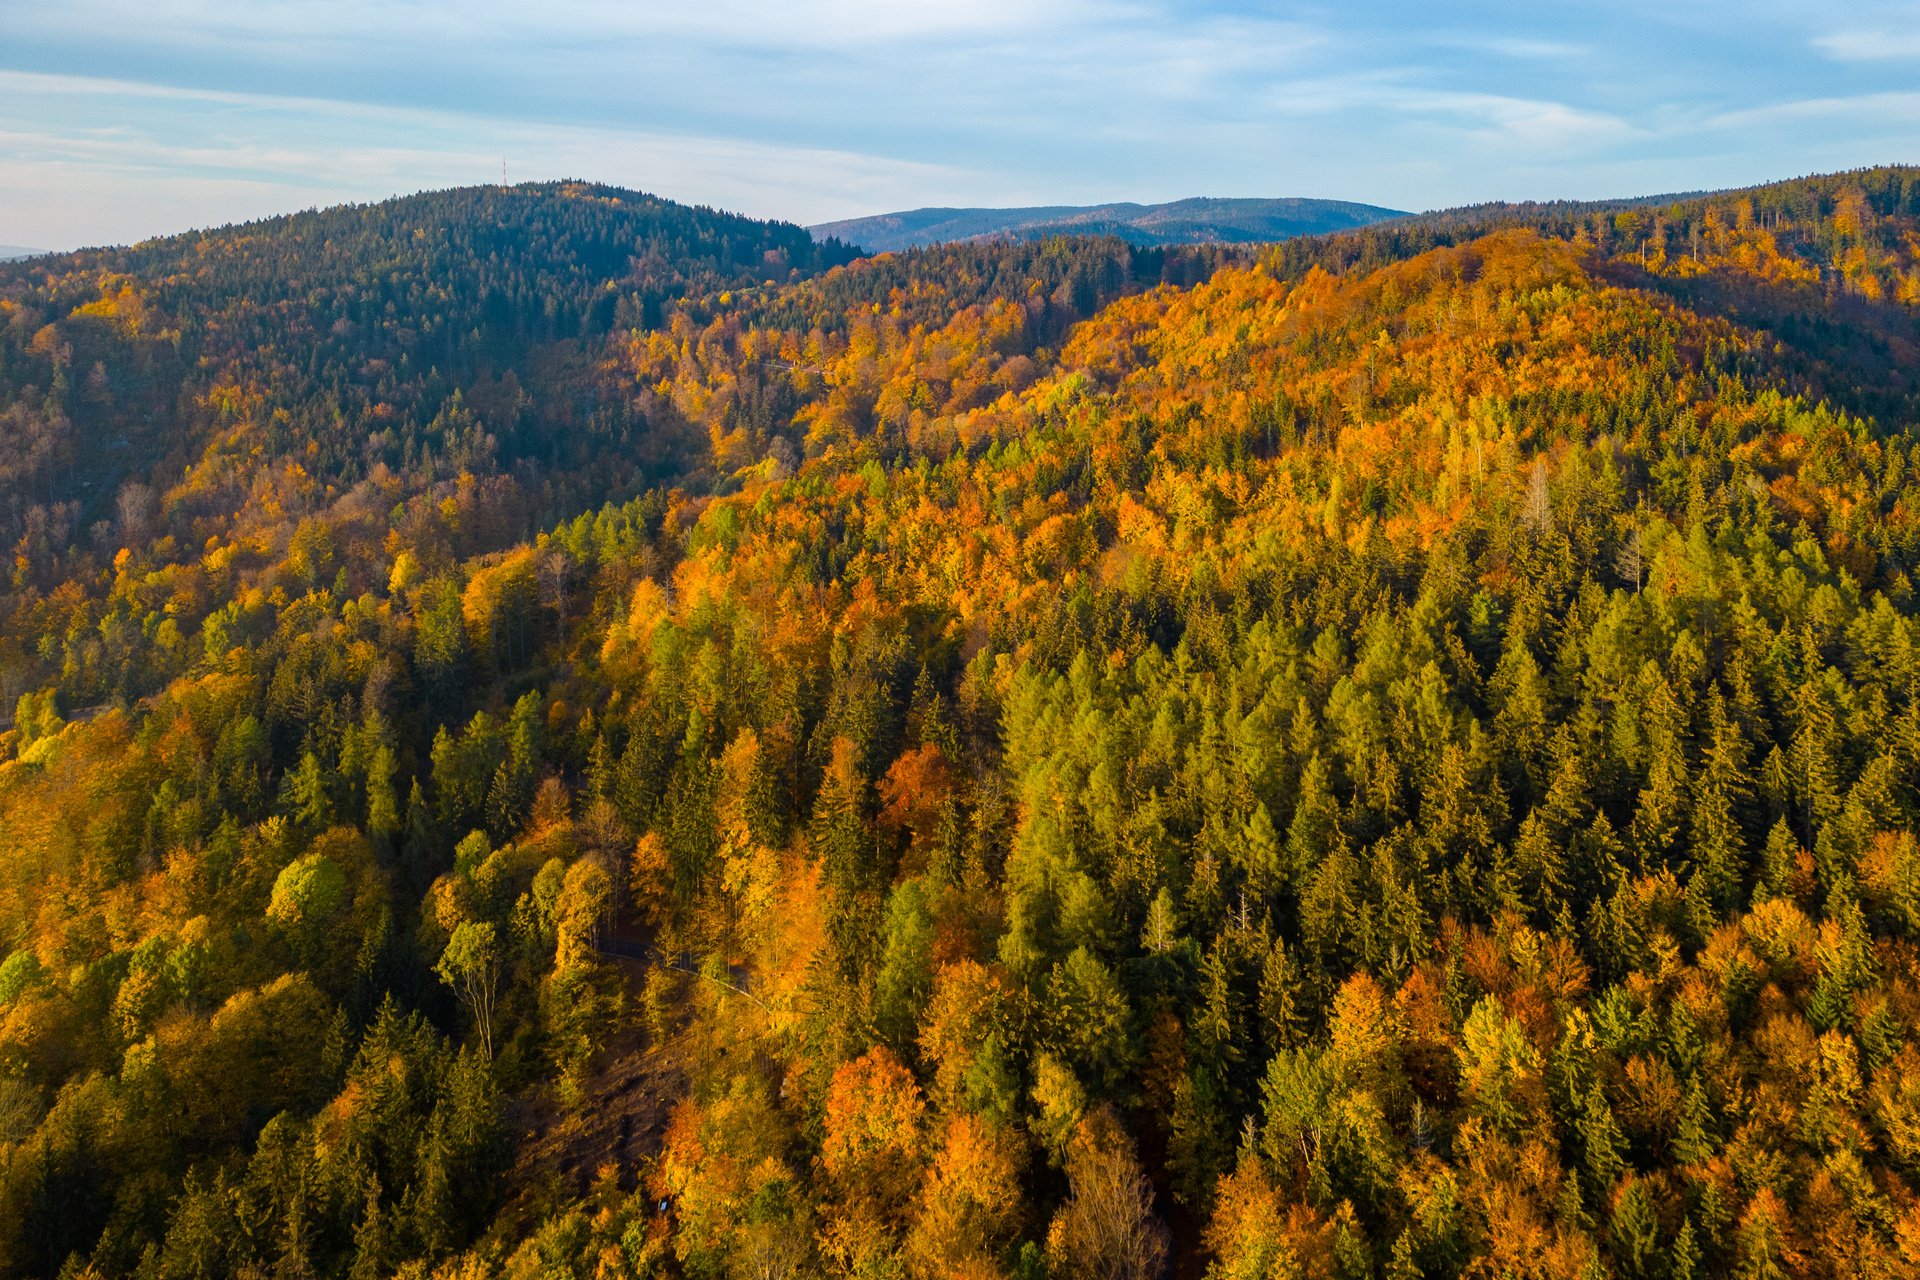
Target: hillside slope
[(1391, 755), (1192, 221), (342, 336)]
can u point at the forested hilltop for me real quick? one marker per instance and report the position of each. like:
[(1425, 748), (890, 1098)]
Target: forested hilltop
[(561, 735)]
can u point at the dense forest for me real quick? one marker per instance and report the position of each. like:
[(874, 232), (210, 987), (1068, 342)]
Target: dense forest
[(555, 734)]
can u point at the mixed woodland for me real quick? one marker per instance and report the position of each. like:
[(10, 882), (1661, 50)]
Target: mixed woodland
[(553, 734)]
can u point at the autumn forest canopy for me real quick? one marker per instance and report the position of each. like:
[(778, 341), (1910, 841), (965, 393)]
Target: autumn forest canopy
[(554, 734)]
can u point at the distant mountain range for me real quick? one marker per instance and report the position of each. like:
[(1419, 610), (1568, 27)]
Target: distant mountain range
[(1193, 221), (8, 252)]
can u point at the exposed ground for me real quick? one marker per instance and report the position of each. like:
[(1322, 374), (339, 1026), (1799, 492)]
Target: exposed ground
[(621, 1121)]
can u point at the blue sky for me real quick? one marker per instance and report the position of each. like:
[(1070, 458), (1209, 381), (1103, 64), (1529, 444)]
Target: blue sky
[(121, 119)]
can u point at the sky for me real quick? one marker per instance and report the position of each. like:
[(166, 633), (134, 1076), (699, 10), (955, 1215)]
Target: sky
[(125, 119)]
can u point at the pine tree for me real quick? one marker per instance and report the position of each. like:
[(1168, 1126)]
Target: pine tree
[(1162, 927), (418, 855), (1815, 756), (1634, 1232), (1601, 1141), (1661, 809), (1847, 964), (1721, 792), (1281, 1000), (1215, 1022), (1199, 1139), (1777, 864), (309, 793), (383, 808), (839, 831), (1695, 1142), (1684, 1259), (1314, 831)]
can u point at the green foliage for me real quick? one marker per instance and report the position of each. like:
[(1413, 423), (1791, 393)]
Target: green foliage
[(1405, 749), (307, 893)]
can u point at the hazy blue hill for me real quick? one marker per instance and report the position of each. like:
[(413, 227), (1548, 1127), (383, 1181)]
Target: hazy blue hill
[(1192, 221), (8, 252)]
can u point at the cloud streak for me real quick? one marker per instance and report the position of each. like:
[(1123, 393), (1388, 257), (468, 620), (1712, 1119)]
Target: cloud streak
[(266, 154), (1869, 46)]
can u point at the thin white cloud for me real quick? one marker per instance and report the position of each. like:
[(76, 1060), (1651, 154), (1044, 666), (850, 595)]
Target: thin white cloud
[(1869, 46), (33, 82), (1488, 117), (790, 23), (269, 154), (1518, 47), (1875, 109)]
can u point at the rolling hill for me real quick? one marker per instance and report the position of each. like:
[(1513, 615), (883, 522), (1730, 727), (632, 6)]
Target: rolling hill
[(558, 734), (1192, 221)]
